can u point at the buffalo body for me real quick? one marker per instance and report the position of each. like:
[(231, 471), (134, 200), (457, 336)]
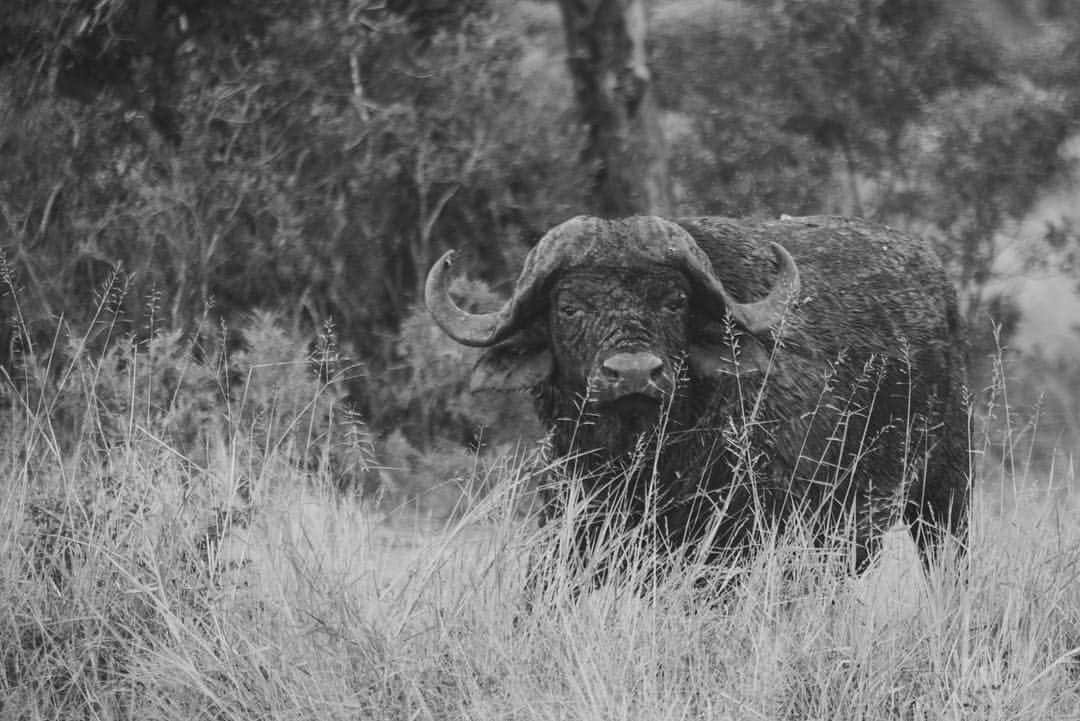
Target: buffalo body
[(804, 365)]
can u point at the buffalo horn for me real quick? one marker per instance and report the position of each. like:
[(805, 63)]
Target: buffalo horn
[(759, 316), (487, 329)]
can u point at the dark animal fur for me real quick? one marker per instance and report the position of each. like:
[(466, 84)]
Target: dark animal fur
[(853, 412)]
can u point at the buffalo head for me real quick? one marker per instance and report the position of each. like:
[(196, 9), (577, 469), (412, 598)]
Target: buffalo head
[(608, 310)]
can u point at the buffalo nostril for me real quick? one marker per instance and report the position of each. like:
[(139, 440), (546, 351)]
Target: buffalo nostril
[(633, 367)]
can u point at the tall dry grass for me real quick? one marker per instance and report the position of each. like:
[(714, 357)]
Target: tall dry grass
[(149, 574)]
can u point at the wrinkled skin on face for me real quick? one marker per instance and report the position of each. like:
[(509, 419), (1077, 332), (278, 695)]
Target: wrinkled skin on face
[(603, 321), (621, 349)]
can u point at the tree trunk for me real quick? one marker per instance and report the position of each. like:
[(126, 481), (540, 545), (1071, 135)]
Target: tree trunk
[(625, 152)]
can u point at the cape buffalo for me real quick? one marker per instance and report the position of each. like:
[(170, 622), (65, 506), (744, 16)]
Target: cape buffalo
[(811, 365)]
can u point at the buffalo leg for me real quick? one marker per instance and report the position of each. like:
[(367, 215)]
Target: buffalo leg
[(936, 508), (933, 517)]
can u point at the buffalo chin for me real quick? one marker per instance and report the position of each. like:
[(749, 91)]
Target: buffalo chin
[(634, 407), (627, 419)]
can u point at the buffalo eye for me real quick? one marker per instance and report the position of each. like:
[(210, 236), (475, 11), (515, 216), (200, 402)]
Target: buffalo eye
[(675, 303), (569, 310)]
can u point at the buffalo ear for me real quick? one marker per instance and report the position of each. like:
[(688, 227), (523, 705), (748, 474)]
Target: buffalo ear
[(519, 363), (744, 358)]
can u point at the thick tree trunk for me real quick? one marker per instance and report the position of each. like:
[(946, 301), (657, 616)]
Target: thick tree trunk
[(625, 152)]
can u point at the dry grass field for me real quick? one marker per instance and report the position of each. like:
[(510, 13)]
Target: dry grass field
[(136, 584)]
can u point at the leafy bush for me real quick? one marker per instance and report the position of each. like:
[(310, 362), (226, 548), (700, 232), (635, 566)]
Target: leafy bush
[(312, 159), (326, 154), (425, 393)]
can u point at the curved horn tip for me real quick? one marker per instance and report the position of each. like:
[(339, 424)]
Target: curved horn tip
[(787, 266), (763, 315), (471, 329), (436, 274)]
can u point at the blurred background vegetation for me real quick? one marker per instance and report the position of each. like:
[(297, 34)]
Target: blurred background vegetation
[(190, 181)]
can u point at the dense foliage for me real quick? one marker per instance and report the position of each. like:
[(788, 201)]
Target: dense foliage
[(313, 158)]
